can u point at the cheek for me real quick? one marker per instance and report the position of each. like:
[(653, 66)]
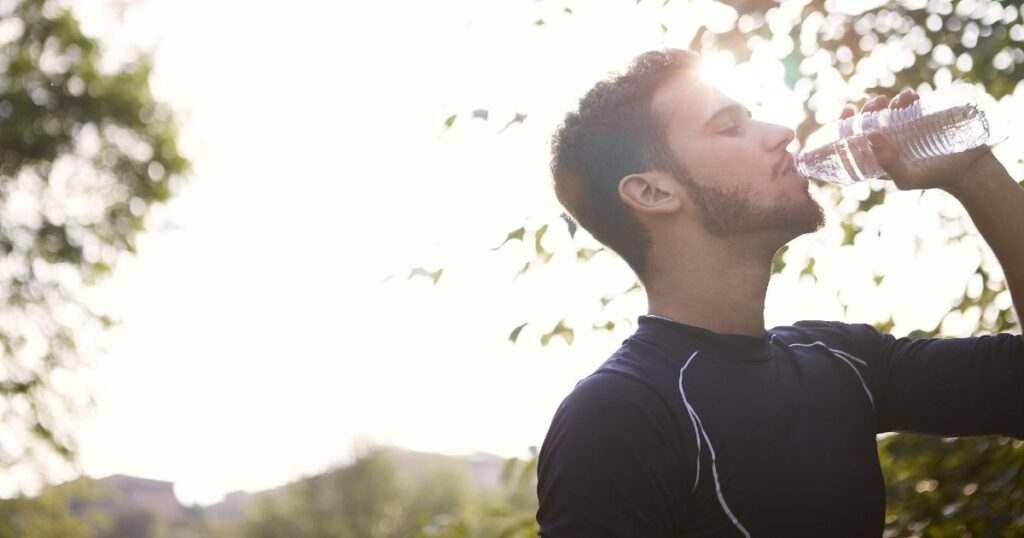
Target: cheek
[(725, 164)]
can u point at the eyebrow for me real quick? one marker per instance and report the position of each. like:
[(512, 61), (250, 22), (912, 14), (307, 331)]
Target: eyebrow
[(730, 109)]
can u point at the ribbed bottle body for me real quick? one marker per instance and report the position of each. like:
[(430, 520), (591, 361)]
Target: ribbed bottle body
[(922, 130)]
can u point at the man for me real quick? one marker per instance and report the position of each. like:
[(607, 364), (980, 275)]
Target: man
[(704, 423)]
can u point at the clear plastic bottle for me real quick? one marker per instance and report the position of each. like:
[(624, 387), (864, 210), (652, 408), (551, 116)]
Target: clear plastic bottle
[(944, 122)]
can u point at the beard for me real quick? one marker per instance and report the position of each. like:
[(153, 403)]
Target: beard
[(733, 211)]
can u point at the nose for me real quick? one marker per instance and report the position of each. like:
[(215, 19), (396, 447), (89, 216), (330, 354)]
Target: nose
[(777, 137)]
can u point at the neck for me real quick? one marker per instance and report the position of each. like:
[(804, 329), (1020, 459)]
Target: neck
[(720, 288)]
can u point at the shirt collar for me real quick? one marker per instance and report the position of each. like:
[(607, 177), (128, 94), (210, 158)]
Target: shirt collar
[(679, 337)]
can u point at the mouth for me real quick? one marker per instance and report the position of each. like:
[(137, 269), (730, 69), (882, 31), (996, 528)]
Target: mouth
[(785, 166)]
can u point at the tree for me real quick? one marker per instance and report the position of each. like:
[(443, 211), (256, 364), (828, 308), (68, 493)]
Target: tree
[(85, 152), (936, 487), (64, 510), (953, 487), (366, 499)]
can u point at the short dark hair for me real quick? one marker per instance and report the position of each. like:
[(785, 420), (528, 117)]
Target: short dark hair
[(611, 135)]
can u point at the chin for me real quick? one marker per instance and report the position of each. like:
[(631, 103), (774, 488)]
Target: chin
[(802, 213)]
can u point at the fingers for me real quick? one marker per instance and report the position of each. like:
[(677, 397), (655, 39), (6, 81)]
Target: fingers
[(878, 102), (887, 154), (871, 105), (875, 103), (904, 99)]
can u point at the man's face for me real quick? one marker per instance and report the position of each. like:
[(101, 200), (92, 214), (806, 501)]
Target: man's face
[(736, 169)]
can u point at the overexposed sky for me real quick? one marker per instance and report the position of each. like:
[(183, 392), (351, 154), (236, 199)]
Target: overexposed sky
[(260, 338)]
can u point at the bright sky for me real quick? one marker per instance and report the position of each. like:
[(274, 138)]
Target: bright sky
[(259, 339)]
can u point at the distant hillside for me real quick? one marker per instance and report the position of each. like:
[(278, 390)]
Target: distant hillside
[(483, 471), (386, 487)]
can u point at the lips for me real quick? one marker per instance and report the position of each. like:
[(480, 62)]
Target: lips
[(785, 165)]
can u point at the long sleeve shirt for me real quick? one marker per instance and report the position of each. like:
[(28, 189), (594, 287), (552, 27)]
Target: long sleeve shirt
[(683, 432)]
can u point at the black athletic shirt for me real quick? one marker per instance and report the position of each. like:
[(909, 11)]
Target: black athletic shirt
[(685, 432)]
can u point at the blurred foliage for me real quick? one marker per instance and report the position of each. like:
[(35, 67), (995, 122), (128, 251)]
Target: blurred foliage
[(940, 487), (371, 499), (51, 513), (937, 487), (380, 495), (85, 151), (82, 509)]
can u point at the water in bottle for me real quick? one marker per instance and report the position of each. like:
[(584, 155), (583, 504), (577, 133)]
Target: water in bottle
[(942, 123)]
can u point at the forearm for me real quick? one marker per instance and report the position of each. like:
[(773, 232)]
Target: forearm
[(995, 202)]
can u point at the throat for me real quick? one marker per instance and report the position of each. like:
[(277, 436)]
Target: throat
[(729, 303)]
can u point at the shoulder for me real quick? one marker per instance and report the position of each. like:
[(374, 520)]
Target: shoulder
[(612, 414), (607, 397), (830, 333)]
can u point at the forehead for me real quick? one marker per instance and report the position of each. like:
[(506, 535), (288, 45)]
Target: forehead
[(687, 102)]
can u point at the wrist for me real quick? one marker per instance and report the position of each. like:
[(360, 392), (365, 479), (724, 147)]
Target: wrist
[(979, 180)]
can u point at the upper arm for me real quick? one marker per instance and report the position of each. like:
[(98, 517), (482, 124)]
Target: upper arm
[(950, 387), (611, 464)]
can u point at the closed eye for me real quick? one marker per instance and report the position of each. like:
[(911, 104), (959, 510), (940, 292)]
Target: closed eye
[(732, 116)]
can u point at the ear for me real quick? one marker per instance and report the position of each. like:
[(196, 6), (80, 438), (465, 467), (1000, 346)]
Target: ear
[(651, 193)]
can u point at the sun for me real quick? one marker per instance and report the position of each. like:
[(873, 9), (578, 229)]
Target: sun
[(719, 69)]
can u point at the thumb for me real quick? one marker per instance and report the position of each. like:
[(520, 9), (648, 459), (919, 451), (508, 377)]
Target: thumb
[(887, 154)]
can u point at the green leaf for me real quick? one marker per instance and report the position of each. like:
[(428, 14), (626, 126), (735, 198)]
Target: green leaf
[(537, 236), (609, 298), (519, 118), (885, 326), (609, 326), (850, 231), (569, 223), (808, 270), (875, 197), (560, 330), (448, 122), (778, 263), (521, 271), (791, 68), (432, 275), (584, 254), (516, 234), (515, 332), (538, 22)]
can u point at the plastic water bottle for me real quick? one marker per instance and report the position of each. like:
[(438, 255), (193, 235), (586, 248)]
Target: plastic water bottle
[(944, 122)]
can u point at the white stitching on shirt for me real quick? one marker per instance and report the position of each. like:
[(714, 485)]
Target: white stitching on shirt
[(711, 449), (693, 418), (844, 356), (836, 351)]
